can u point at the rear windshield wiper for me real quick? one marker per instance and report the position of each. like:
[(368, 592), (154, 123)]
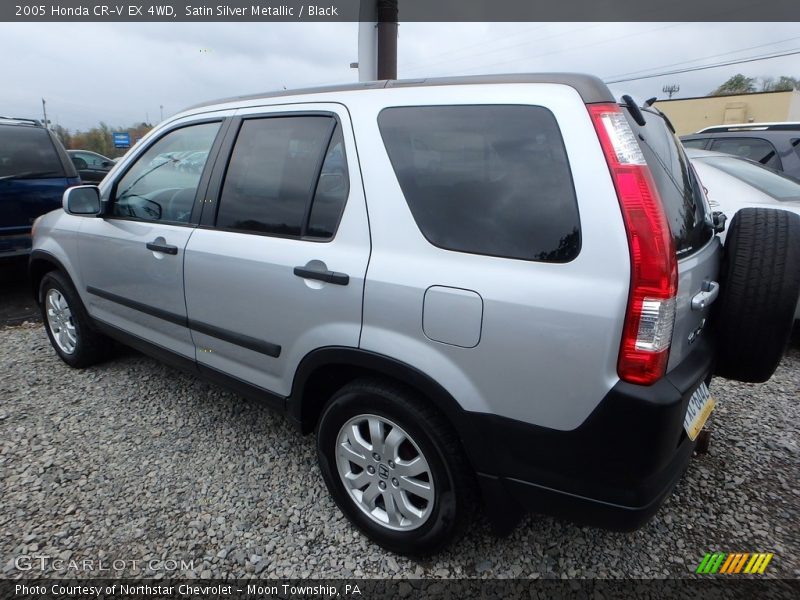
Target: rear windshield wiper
[(31, 175)]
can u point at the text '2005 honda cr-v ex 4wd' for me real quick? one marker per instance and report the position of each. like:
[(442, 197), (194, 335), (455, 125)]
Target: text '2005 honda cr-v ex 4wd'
[(503, 289)]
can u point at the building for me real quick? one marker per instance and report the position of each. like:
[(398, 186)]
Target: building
[(689, 115)]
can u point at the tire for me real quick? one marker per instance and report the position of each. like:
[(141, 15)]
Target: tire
[(419, 525), (760, 284), (68, 325)]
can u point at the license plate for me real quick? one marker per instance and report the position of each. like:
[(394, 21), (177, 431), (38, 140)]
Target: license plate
[(700, 406)]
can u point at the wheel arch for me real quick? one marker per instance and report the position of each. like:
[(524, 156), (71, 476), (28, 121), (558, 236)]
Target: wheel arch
[(325, 370), (40, 264)]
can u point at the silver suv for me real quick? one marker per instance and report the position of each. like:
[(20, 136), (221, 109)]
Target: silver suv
[(500, 290)]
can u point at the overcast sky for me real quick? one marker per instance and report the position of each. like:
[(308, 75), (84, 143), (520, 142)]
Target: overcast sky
[(121, 73)]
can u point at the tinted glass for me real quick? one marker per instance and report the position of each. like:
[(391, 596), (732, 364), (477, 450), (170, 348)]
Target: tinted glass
[(755, 149), (162, 183), (272, 174), (28, 152), (486, 179), (677, 184), (332, 191), (94, 161), (695, 143), (770, 182)]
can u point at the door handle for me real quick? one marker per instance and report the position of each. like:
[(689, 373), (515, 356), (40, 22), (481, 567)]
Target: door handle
[(155, 246), (326, 276), (709, 293)]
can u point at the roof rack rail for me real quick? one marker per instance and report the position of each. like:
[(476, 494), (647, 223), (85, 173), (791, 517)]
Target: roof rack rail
[(773, 126), (35, 122)]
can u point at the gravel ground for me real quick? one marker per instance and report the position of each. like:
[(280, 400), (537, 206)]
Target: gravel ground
[(131, 460)]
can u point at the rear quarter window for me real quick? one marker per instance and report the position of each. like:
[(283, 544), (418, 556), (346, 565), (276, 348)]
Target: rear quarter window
[(26, 150), (487, 179)]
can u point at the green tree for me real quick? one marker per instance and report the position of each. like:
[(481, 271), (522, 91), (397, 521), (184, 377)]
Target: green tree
[(785, 84), (738, 84)]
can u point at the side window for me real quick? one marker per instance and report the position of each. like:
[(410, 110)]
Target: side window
[(332, 190), (277, 167), (491, 180), (28, 151), (700, 144), (753, 148), (162, 183)]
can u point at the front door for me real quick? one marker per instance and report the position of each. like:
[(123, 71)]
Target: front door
[(131, 260)]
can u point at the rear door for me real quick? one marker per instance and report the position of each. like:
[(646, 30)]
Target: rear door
[(132, 259), (277, 267), (687, 211)]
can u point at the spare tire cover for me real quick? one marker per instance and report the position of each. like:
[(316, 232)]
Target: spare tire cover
[(760, 284)]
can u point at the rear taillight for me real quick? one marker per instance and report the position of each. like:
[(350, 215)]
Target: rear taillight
[(650, 315)]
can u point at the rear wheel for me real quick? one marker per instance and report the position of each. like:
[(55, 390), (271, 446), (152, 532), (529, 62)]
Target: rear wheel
[(394, 467), (68, 325), (760, 283)]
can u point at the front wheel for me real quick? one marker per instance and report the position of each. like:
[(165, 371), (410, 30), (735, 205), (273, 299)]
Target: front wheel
[(394, 467), (68, 325)]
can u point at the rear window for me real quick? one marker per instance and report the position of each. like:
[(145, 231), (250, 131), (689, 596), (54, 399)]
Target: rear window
[(677, 184), (770, 182), (755, 149), (28, 152), (489, 179), (700, 144)]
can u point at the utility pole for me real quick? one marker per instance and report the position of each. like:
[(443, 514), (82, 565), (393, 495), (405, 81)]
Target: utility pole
[(161, 107), (44, 112), (387, 39), (671, 89), (377, 40)]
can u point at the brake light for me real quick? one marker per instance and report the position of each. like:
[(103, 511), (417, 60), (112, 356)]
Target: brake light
[(650, 314)]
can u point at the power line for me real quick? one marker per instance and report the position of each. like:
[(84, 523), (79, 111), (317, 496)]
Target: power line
[(573, 48), (504, 48), (686, 62), (456, 51), (705, 67)]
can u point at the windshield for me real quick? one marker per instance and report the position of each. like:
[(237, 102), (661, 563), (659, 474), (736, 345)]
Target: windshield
[(27, 152), (770, 182)]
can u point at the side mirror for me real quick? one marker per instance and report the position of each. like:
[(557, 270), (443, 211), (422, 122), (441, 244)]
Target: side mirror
[(82, 200), (107, 165)]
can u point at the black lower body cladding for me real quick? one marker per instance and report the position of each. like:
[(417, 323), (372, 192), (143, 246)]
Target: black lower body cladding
[(760, 282), (612, 471)]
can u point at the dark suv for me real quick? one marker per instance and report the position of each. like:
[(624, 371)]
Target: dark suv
[(775, 145), (34, 172)]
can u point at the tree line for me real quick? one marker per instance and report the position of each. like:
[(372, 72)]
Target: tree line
[(739, 84), (99, 139)]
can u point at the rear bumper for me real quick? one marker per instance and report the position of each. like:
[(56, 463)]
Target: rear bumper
[(612, 471)]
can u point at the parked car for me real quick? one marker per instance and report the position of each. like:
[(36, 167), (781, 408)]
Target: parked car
[(34, 172), (733, 183), (91, 166), (520, 314), (774, 145)]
